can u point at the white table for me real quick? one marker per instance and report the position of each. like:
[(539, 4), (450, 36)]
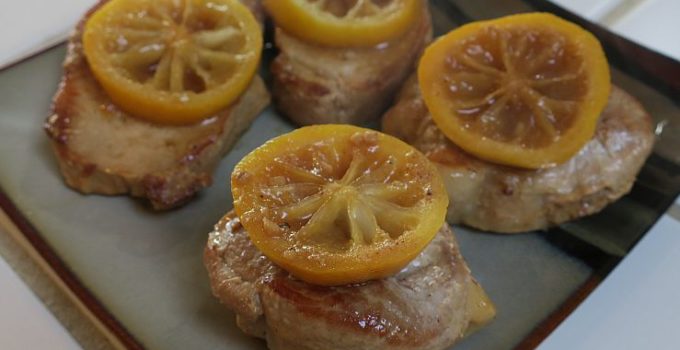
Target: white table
[(25, 323), (637, 305)]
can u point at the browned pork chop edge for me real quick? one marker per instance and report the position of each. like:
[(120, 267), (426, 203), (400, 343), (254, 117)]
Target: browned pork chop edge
[(101, 149), (425, 306), (503, 199), (315, 84)]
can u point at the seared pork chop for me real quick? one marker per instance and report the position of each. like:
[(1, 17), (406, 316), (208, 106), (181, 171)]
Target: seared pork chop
[(101, 149), (427, 305), (316, 84), (503, 199)]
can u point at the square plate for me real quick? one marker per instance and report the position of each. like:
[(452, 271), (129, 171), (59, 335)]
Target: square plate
[(141, 272)]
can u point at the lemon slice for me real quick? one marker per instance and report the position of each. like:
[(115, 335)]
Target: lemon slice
[(523, 90), (344, 22), (173, 62), (338, 204)]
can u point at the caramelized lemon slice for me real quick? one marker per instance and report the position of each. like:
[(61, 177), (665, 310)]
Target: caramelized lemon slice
[(524, 90), (344, 22), (338, 204), (173, 62)]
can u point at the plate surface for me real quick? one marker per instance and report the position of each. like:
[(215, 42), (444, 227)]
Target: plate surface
[(146, 268)]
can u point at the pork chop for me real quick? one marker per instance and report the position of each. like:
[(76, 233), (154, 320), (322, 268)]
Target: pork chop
[(503, 199), (101, 149), (315, 84), (428, 305)]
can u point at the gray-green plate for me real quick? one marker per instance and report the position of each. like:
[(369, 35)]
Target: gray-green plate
[(146, 268)]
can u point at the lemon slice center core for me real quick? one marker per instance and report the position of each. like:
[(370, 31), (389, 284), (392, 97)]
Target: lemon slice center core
[(355, 202)]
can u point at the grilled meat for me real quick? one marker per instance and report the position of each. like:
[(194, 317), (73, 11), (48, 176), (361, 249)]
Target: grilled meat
[(428, 305), (315, 84), (101, 149), (503, 199)]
